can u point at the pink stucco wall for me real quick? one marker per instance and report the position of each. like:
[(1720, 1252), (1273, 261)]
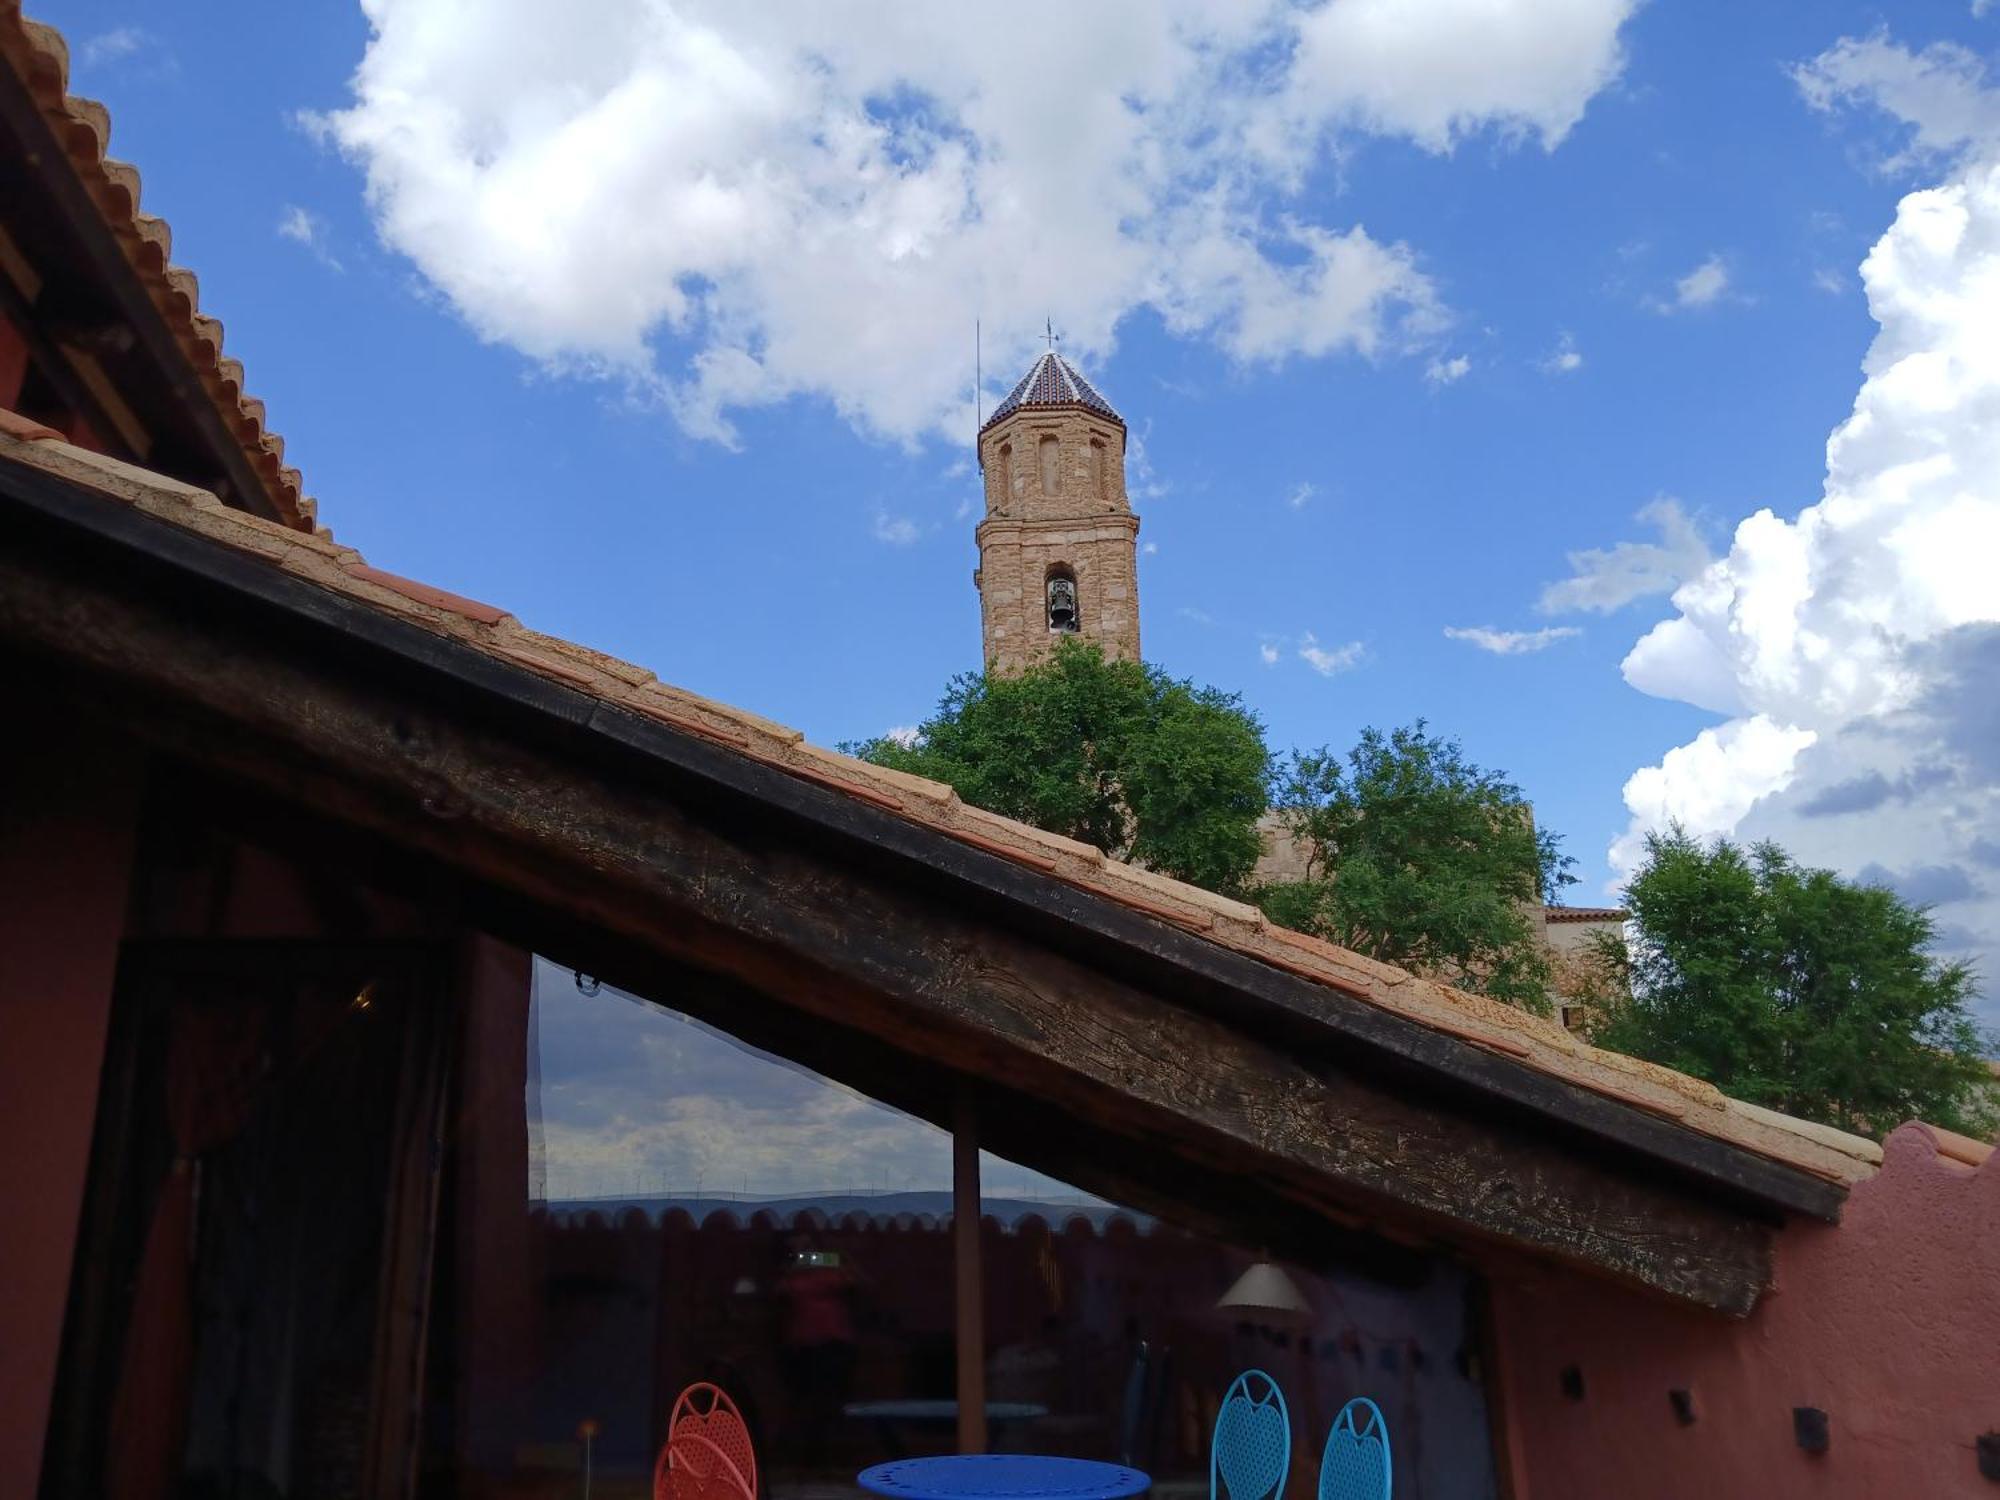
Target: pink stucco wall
[(65, 871), (1890, 1322)]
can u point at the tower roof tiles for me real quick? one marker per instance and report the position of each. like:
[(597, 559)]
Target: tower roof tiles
[(1052, 381)]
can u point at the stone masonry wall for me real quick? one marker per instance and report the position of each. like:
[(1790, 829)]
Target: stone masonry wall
[(1047, 508)]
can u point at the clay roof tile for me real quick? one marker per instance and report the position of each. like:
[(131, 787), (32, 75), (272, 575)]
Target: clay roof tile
[(1052, 381), (39, 57)]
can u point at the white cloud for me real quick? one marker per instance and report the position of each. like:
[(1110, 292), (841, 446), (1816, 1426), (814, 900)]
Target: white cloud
[(730, 205), (1442, 372), (1300, 494), (110, 46), (1830, 281), (906, 735), (1329, 662), (1603, 579), (1268, 654), (1565, 358), (1443, 70), (307, 228), (1940, 95), (1151, 549), (1710, 783), (1857, 645), (894, 531), (1510, 642), (1704, 286)]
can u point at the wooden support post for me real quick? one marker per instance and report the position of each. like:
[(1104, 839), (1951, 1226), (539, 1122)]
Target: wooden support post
[(966, 1272)]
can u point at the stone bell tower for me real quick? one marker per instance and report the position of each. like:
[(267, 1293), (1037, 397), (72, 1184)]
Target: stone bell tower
[(1058, 548)]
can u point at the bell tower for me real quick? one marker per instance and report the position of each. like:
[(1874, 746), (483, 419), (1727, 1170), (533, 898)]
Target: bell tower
[(1058, 547)]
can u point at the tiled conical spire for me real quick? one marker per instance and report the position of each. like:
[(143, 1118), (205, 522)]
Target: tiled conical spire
[(1053, 381)]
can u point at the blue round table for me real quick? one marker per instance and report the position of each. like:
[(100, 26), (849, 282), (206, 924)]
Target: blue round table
[(1002, 1476)]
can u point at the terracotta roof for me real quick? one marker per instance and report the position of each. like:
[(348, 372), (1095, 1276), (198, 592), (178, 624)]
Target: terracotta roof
[(38, 55), (1584, 914), (1052, 381), (1533, 1041)]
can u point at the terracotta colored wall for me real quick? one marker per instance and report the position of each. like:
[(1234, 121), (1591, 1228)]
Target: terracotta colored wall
[(66, 829), (1889, 1322), (496, 1255)]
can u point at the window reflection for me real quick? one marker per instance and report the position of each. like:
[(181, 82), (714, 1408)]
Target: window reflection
[(695, 1209)]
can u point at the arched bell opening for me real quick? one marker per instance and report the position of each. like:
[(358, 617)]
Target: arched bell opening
[(1059, 590)]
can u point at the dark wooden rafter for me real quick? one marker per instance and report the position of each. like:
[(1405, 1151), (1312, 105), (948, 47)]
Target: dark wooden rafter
[(868, 922)]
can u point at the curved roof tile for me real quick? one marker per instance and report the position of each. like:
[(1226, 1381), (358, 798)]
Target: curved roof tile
[(39, 56)]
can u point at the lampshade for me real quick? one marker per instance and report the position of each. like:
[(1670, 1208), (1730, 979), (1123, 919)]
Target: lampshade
[(1265, 1294)]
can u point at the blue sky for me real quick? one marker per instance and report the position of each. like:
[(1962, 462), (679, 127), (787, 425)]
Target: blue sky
[(658, 331)]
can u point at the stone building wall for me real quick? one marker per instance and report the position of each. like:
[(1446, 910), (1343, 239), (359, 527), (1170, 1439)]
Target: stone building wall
[(1055, 499)]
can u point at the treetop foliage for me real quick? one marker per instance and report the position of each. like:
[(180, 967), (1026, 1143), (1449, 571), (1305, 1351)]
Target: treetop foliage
[(1150, 769), (1420, 858), (1797, 989)]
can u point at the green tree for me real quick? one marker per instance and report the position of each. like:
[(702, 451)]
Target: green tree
[(1796, 989), (1420, 858), (1118, 754)]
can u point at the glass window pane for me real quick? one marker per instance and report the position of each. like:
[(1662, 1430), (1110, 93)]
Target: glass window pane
[(688, 1208)]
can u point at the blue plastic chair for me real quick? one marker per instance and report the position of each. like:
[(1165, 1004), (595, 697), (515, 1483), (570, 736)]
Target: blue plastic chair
[(1252, 1450), (1356, 1465)]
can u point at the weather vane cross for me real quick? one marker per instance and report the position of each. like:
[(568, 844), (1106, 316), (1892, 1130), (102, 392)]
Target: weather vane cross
[(1049, 334)]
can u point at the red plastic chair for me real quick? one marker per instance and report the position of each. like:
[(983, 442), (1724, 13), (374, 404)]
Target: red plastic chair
[(708, 1454)]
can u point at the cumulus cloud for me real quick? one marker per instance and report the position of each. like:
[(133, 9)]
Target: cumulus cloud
[(1856, 646), (1268, 654), (1442, 372), (1510, 642), (1940, 95), (1704, 286), (1926, 885), (1603, 579), (1565, 358), (1709, 784), (731, 205), (1440, 71), (1330, 661), (637, 1099)]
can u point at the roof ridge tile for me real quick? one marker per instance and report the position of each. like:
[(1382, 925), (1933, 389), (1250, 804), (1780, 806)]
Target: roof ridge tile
[(426, 593)]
